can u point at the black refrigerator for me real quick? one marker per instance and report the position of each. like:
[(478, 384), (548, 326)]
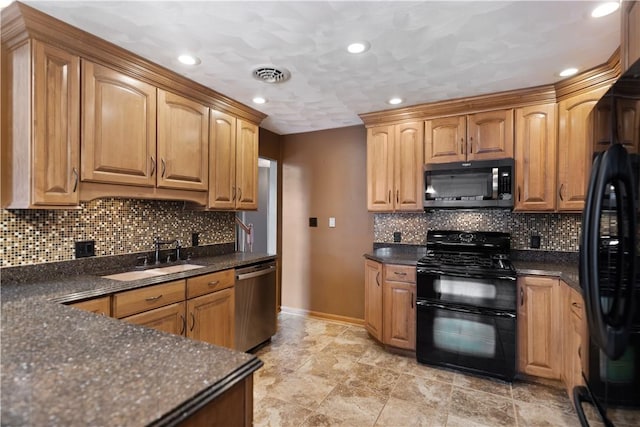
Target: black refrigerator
[(609, 263)]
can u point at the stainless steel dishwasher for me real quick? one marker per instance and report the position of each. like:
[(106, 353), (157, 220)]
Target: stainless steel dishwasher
[(255, 304)]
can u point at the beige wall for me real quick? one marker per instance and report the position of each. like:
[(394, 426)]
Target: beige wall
[(324, 175)]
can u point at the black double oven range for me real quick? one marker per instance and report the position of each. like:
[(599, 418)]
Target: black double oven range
[(466, 303)]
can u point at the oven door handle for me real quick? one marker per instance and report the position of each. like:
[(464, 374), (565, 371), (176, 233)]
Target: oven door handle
[(431, 271), (465, 309)]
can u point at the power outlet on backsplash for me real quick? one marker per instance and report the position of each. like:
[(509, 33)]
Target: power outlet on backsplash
[(85, 248), (535, 242), (397, 237)]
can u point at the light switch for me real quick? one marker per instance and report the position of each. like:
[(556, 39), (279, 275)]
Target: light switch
[(332, 222)]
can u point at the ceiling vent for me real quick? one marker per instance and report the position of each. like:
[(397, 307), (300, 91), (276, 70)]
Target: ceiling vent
[(269, 74)]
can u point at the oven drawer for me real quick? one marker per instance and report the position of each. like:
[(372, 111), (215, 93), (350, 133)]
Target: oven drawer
[(399, 273)]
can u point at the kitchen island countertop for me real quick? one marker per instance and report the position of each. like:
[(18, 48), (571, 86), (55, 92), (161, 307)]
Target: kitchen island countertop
[(64, 366)]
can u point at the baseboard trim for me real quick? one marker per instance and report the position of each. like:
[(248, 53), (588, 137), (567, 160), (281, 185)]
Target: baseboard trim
[(324, 316)]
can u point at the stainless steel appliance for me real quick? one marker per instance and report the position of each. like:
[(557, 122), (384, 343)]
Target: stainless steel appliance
[(255, 305), (609, 262), (481, 184), (466, 303)]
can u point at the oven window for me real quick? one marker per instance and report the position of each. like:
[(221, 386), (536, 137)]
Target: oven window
[(495, 294), (452, 287), (465, 337)]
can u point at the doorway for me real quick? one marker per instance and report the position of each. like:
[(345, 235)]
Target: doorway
[(264, 220)]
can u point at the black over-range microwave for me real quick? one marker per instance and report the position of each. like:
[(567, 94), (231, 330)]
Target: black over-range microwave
[(481, 184)]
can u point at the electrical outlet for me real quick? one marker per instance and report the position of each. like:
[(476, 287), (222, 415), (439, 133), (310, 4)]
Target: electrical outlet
[(535, 242), (313, 222), (397, 237), (195, 239), (85, 248)]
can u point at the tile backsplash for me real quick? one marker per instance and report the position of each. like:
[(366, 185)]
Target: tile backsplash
[(558, 232), (118, 226)]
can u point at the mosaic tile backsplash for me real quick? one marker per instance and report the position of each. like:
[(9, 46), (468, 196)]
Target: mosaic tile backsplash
[(558, 232), (118, 226)]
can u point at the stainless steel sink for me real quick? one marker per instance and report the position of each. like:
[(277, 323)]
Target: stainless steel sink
[(143, 274)]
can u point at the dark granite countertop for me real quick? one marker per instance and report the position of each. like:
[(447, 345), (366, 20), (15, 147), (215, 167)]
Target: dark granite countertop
[(409, 255), (64, 366)]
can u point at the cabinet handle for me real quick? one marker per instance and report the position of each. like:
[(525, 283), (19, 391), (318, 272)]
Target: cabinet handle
[(521, 297), (378, 278), (153, 165), (75, 182), (233, 192), (164, 167), (471, 144), (389, 196), (397, 196), (399, 273), (153, 298), (239, 194), (193, 319), (184, 324), (580, 352), (518, 193), (461, 145), (214, 283), (576, 305), (560, 192), (412, 300)]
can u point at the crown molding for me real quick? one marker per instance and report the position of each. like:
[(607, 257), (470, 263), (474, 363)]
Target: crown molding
[(20, 22), (601, 75)]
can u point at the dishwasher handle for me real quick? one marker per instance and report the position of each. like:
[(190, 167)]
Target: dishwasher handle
[(255, 273)]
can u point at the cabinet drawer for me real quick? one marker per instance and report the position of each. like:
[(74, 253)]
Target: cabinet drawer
[(577, 303), (207, 283), (100, 305), (143, 299), (400, 273)]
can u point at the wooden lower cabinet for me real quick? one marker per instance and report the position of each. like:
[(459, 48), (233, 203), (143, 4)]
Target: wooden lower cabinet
[(399, 312), (539, 332), (373, 298), (100, 305), (575, 341), (169, 318), (211, 318)]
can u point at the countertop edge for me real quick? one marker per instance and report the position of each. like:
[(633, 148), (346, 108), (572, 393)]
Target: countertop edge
[(188, 408)]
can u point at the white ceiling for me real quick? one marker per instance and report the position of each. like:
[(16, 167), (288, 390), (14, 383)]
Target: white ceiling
[(420, 51)]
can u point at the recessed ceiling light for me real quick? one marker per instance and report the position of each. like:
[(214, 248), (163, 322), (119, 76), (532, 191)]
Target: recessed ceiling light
[(358, 47), (5, 3), (605, 9), (189, 59), (259, 100), (568, 72), (395, 101)]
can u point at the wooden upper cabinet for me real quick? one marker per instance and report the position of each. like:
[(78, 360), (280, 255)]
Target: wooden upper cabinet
[(222, 161), (246, 165), (490, 135), (444, 140), (233, 163), (41, 119), (480, 136), (380, 148), (183, 143), (408, 154), (118, 127), (575, 148), (630, 34), (628, 113), (394, 167), (539, 332), (535, 158)]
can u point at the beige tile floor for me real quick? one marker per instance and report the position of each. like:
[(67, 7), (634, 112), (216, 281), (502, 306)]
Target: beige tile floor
[(321, 373)]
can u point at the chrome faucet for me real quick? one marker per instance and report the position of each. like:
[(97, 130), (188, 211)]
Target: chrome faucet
[(158, 243)]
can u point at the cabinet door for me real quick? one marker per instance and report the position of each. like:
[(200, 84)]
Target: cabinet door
[(535, 158), (628, 112), (222, 162), (246, 165), (55, 126), (408, 155), (380, 149), (399, 313), (373, 298), (630, 34), (444, 140), (169, 318), (539, 349), (211, 318), (490, 135), (118, 127), (183, 143), (100, 305), (575, 142)]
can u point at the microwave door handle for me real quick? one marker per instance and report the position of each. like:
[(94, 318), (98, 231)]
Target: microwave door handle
[(494, 183)]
